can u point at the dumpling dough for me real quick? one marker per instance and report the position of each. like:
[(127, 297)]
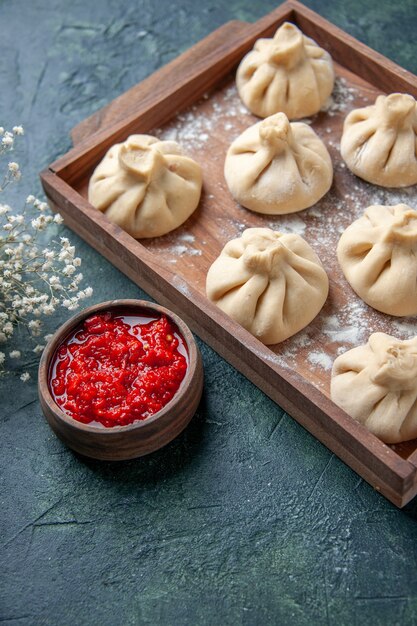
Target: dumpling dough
[(146, 186), (378, 256), (379, 141), (273, 284), (288, 73), (276, 167), (376, 384)]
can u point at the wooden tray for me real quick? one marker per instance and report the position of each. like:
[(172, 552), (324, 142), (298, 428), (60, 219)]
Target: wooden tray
[(194, 100)]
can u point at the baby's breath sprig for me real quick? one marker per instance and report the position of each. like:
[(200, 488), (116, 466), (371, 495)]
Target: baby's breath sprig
[(34, 280)]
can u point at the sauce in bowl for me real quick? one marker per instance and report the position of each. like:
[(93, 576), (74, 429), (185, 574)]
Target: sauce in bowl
[(116, 368)]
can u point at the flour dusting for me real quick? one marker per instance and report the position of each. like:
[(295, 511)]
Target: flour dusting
[(193, 128), (321, 359), (341, 98)]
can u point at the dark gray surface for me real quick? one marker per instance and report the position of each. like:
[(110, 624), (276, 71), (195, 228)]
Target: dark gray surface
[(245, 518)]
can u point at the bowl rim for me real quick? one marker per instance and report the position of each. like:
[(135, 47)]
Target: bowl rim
[(65, 329)]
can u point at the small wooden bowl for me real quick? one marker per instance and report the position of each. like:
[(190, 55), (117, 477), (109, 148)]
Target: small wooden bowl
[(141, 437)]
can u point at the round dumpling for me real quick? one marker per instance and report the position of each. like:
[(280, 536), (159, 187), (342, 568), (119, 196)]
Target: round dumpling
[(376, 384), (276, 167), (288, 73), (146, 186), (273, 284), (378, 256), (379, 141)]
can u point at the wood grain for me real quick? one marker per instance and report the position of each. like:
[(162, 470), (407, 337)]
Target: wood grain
[(141, 437), (177, 279)]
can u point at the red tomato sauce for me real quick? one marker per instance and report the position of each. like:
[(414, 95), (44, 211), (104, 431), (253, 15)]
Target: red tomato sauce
[(115, 369)]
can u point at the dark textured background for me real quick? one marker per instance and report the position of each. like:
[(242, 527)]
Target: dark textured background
[(245, 518)]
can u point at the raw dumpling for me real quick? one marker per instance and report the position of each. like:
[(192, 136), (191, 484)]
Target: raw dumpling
[(378, 256), (273, 284), (376, 384), (379, 141), (276, 167), (288, 73), (146, 186)]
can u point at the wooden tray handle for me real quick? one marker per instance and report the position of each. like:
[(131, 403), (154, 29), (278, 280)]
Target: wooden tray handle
[(127, 102)]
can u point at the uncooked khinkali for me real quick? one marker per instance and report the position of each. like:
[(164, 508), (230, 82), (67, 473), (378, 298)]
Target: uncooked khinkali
[(376, 384), (146, 186), (273, 284), (276, 167), (378, 256), (379, 141), (288, 73)]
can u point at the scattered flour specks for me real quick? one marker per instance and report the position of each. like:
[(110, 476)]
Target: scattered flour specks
[(188, 237), (321, 359), (289, 224), (179, 249), (177, 244), (193, 128), (347, 334), (341, 99), (182, 286), (405, 329)]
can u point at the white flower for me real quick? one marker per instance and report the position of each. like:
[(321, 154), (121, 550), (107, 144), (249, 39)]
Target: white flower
[(68, 270), (64, 256), (7, 141), (39, 223), (25, 377), (34, 280), (34, 324), (14, 170), (48, 309), (54, 281)]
